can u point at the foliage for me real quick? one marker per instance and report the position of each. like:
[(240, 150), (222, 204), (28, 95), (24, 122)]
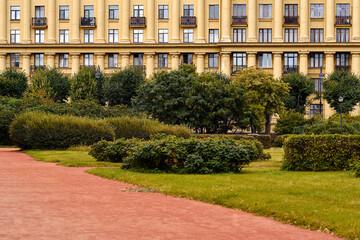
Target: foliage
[(357, 170), (47, 131), (289, 122), (122, 86), (321, 152), (342, 84), (300, 89), (13, 83)]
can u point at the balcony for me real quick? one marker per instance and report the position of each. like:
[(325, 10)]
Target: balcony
[(343, 20), (138, 22), (239, 21), (33, 68), (342, 68), (39, 22), (291, 20), (141, 67), (88, 22), (188, 21), (238, 68), (290, 68)]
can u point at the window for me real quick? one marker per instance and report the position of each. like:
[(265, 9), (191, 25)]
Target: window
[(239, 35), (291, 35), (138, 11), (88, 59), (315, 109), (163, 35), (188, 10), (342, 59), (343, 10), (14, 36), (39, 36), (113, 12), (316, 60), (213, 11), (39, 12), (265, 35), (239, 10), (113, 60), (88, 36), (213, 35), (64, 12), (342, 35), (317, 10), (187, 58), (63, 60), (213, 60), (265, 11), (163, 11), (163, 60), (138, 59), (15, 60), (291, 10), (15, 13), (317, 35), (291, 60), (265, 60), (39, 59), (138, 35), (188, 35), (88, 11), (113, 35), (239, 61), (64, 36), (317, 85)]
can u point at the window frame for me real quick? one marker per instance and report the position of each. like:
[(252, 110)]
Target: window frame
[(268, 60), (319, 32), (138, 36), (88, 36), (15, 13), (39, 36), (188, 10), (213, 60), (163, 35), (265, 32), (317, 10), (63, 60), (114, 13), (64, 35), (64, 14), (113, 35), (265, 11), (163, 11), (291, 35), (188, 35), (113, 60), (213, 35), (343, 35), (14, 35), (316, 60), (163, 60), (214, 11), (16, 57)]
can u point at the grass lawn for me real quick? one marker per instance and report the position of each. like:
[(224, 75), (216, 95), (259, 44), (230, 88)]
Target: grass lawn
[(326, 201)]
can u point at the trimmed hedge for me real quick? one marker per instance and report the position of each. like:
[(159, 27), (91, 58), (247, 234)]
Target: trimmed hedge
[(321, 152), (47, 131), (264, 139)]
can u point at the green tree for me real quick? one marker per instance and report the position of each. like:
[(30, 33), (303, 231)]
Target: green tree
[(289, 122), (300, 89), (342, 84), (122, 86), (13, 83)]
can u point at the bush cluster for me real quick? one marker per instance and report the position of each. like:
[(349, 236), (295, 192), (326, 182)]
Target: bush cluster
[(264, 139), (321, 152), (13, 83)]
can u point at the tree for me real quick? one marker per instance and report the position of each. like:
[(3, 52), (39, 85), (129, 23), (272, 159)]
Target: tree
[(300, 89), (288, 122), (122, 86), (342, 84), (266, 92), (13, 83)]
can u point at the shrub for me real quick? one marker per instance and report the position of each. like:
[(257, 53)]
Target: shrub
[(48, 131), (321, 152), (289, 122), (264, 139), (13, 83), (231, 136), (357, 170)]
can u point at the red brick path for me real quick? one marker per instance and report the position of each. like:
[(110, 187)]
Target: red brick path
[(43, 201)]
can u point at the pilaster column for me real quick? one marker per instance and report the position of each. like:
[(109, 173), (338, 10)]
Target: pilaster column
[(100, 26), (330, 21), (304, 20), (150, 64), (125, 19), (251, 59), (26, 63), (26, 23), (3, 17), (225, 20), (200, 62), (355, 62), (225, 63), (2, 62), (175, 61), (252, 20), (175, 21), (304, 62), (150, 21), (100, 60), (277, 64), (201, 22), (278, 21), (355, 21), (51, 16), (76, 22), (75, 58), (330, 64), (50, 58), (125, 60)]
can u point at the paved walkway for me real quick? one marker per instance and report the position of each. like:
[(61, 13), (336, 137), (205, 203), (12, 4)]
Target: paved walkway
[(43, 201)]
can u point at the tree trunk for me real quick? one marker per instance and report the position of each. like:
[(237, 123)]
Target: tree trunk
[(267, 123)]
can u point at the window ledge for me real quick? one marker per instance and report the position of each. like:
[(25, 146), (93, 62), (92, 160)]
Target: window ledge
[(265, 19), (114, 20), (64, 20)]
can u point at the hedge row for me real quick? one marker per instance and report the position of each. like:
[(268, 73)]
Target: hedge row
[(321, 152), (264, 139)]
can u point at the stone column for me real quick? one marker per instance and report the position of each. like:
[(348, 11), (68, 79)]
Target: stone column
[(125, 20), (225, 63), (175, 61), (26, 63), (100, 60), (330, 64), (125, 60), (76, 22), (355, 21), (330, 21), (150, 64), (26, 22), (304, 62), (150, 21), (252, 20), (75, 63), (4, 21), (200, 62), (355, 66), (51, 16), (251, 59), (278, 21), (225, 20), (100, 25), (304, 21), (200, 21), (2, 62), (277, 64), (50, 58), (175, 21)]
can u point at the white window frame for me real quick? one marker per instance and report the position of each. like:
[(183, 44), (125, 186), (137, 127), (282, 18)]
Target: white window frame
[(265, 11), (64, 36), (138, 35), (265, 60)]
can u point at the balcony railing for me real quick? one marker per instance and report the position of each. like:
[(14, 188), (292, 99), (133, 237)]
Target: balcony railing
[(88, 21), (237, 68), (33, 68), (238, 21), (141, 67), (343, 20), (188, 21), (342, 68), (290, 68), (138, 21), (291, 20), (39, 22)]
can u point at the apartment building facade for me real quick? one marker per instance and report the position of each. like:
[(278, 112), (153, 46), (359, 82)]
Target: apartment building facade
[(279, 36)]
